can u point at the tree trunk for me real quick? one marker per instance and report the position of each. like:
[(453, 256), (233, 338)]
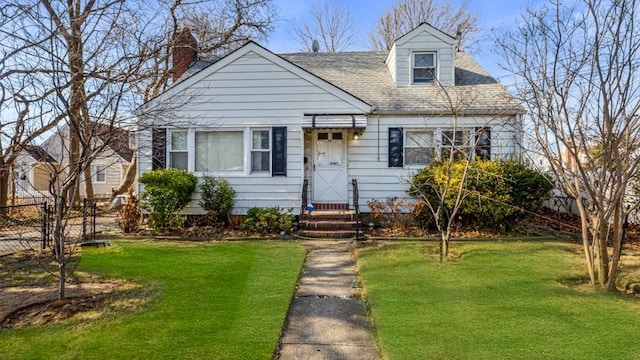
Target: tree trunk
[(13, 184), (4, 186), (129, 177), (88, 183), (603, 254), (445, 246), (78, 115), (619, 230), (59, 247), (586, 246)]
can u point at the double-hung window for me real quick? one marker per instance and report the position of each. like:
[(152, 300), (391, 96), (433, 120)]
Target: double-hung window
[(418, 147), (260, 151), (457, 141), (424, 67), (99, 173), (178, 151), (232, 151)]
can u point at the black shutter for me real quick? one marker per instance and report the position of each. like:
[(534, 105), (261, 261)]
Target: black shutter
[(158, 148), (396, 147), (279, 151), (483, 143)]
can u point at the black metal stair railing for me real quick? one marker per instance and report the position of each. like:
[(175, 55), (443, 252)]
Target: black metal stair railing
[(305, 196), (356, 197)]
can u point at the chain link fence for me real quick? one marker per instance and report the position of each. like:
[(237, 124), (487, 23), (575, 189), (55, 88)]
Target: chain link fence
[(30, 226), (23, 227)]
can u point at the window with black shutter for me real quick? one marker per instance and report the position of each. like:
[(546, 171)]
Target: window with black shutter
[(158, 148), (396, 147), (279, 151)]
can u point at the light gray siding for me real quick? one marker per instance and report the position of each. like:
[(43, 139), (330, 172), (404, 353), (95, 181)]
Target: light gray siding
[(392, 63), (368, 156), (424, 40), (253, 88), (253, 91)]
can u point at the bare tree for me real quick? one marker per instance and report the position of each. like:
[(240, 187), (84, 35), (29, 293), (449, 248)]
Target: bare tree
[(409, 14), (332, 24), (219, 26), (459, 146), (223, 26), (19, 124), (576, 71), (85, 66), (75, 63)]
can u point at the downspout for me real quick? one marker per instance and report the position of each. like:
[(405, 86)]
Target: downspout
[(375, 110)]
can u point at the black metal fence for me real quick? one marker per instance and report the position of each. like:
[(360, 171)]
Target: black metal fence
[(31, 226), (23, 227)]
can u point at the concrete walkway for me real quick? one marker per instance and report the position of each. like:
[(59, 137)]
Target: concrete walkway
[(326, 320)]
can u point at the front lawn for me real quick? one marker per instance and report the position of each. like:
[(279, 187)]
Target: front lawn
[(212, 301), (493, 301)]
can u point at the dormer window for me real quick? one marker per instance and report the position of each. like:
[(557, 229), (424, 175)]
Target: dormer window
[(424, 67)]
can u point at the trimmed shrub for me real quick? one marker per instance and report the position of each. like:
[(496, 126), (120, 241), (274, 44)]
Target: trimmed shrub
[(166, 193), (218, 198), (497, 195), (268, 220)]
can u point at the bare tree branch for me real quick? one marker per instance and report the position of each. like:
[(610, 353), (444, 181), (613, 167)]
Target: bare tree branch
[(406, 15), (331, 24), (576, 67)]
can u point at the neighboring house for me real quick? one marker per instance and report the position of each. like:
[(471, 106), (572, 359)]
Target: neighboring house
[(270, 123), (33, 169), (108, 168)]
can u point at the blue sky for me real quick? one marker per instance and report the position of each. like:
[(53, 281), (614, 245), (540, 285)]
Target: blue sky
[(491, 14)]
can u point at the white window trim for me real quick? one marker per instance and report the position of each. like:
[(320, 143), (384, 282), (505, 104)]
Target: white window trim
[(247, 138), (436, 145), (436, 73), (470, 131), (170, 147), (251, 150), (94, 173)]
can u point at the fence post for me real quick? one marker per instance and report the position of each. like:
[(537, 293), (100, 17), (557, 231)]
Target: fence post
[(94, 211), (49, 223), (45, 222), (84, 219)]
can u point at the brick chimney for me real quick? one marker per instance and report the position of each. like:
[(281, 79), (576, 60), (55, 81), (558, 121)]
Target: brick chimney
[(184, 52)]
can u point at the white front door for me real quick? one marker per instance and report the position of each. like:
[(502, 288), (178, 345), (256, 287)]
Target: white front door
[(330, 167)]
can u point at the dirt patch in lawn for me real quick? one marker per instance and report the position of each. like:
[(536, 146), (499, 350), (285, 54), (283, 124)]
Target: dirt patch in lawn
[(29, 295), (25, 306)]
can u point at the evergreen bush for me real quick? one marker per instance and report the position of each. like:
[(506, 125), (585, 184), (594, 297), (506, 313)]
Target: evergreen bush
[(268, 220), (166, 193), (218, 198), (497, 193)]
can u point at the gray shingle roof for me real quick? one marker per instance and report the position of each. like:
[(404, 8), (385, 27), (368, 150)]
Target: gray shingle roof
[(366, 76), (39, 153), (116, 138)]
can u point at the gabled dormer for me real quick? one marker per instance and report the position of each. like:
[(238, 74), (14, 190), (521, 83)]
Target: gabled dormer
[(425, 56)]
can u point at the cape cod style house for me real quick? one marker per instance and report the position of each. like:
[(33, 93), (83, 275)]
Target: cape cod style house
[(290, 129)]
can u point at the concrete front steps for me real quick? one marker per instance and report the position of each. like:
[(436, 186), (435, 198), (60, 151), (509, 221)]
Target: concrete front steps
[(328, 224)]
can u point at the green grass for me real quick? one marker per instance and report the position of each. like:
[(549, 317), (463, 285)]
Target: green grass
[(493, 301), (214, 301)]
